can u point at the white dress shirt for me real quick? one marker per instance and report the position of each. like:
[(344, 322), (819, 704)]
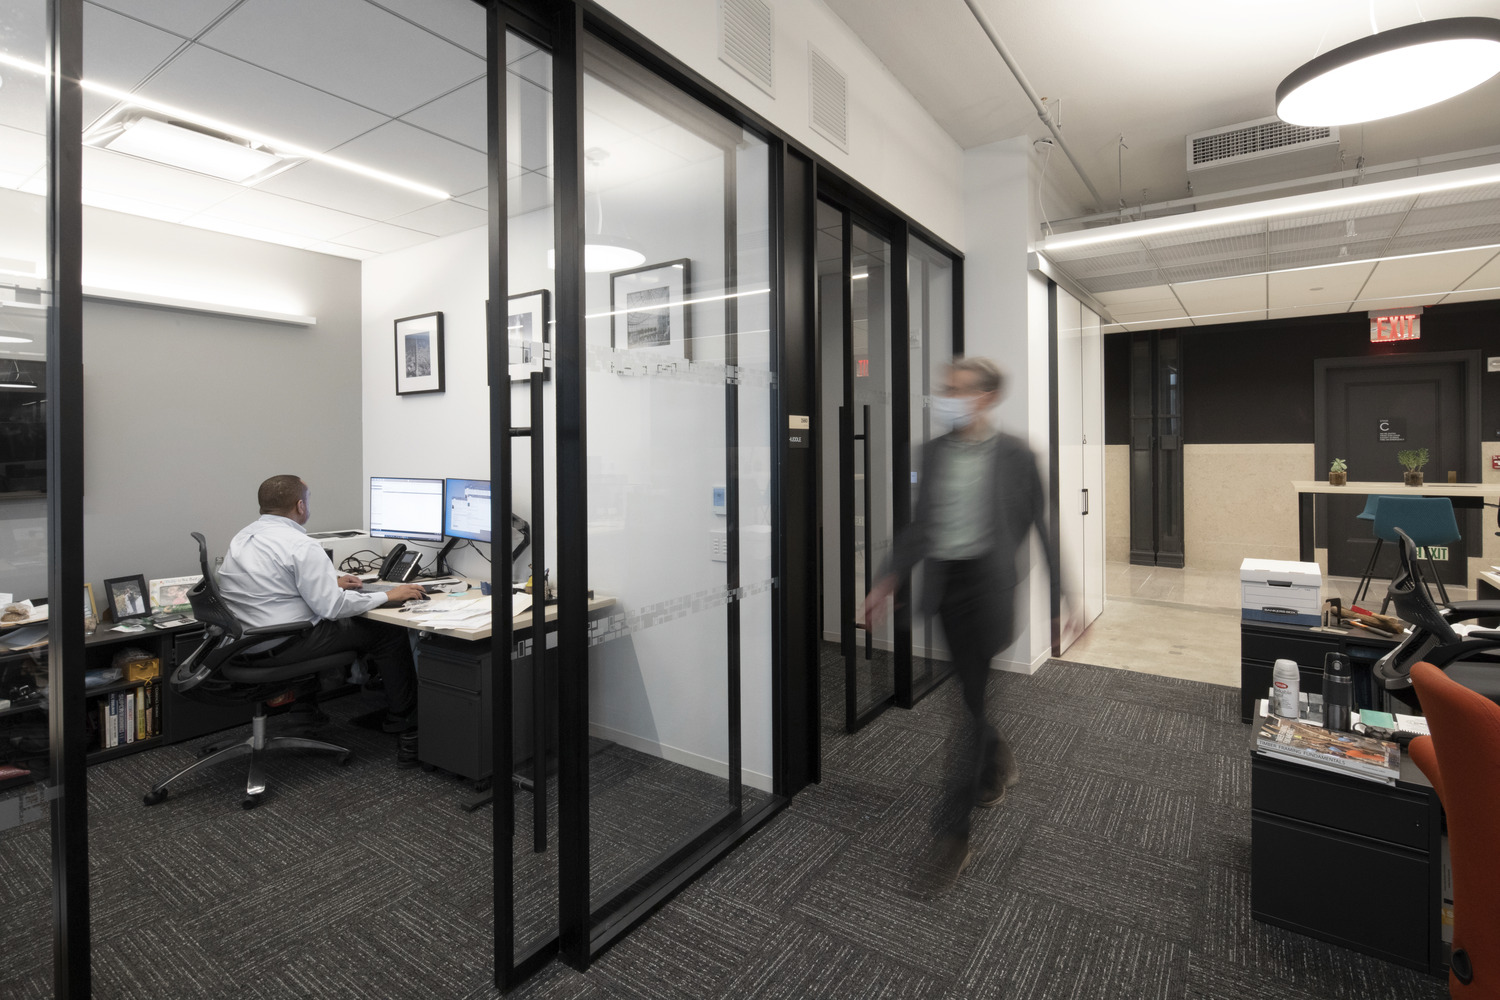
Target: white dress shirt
[(274, 574)]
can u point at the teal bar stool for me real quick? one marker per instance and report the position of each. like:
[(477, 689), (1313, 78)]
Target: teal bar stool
[(1372, 503), (1427, 521)]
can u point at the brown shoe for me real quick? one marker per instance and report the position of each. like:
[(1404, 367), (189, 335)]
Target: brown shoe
[(993, 794), (406, 748)]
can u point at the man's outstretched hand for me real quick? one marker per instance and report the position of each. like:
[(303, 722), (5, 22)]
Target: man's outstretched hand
[(874, 610)]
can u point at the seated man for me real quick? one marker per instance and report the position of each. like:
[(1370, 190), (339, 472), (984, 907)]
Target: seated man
[(273, 574)]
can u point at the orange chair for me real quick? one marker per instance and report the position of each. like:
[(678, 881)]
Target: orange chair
[(1462, 760)]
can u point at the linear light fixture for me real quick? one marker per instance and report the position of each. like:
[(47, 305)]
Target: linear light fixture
[(1319, 201), (1392, 72), (176, 146), (251, 136)]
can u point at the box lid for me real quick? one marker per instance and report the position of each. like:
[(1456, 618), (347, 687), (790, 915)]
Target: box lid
[(1298, 574)]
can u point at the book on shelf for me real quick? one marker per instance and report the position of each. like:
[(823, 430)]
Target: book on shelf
[(1345, 753)]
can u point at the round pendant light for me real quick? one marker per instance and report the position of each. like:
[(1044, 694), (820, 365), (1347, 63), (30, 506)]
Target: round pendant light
[(1392, 72)]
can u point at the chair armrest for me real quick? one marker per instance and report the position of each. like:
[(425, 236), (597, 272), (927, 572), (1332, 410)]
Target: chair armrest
[(1462, 611)]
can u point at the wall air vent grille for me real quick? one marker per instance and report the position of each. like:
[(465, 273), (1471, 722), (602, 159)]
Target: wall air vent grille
[(828, 104), (747, 41), (1253, 140)]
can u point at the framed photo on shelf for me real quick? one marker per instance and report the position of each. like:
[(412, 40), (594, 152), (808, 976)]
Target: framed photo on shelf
[(170, 593), (127, 597), (419, 354), (529, 332), (648, 311), (90, 608)]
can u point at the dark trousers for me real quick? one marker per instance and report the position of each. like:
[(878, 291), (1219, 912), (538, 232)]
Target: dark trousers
[(978, 624), (385, 646)]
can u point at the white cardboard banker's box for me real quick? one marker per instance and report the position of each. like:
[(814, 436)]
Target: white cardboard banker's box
[(1276, 590)]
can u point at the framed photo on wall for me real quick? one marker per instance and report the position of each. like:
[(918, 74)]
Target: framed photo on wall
[(528, 331), (648, 310), (127, 597), (419, 354)]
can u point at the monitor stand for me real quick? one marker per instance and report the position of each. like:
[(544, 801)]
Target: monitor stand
[(440, 566)]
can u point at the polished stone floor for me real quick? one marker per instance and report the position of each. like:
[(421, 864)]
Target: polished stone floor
[(1179, 622)]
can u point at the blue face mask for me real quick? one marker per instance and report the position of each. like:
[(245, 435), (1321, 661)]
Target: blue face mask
[(955, 411)]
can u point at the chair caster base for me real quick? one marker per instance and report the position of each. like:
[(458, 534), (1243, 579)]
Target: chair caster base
[(345, 758), (153, 798), (249, 802)]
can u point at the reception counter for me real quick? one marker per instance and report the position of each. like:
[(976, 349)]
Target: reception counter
[(1463, 495)]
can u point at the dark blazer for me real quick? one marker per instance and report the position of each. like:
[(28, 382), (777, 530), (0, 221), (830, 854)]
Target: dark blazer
[(1016, 502)]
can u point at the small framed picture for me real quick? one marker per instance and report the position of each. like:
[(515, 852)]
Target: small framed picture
[(419, 354), (170, 593), (648, 311), (90, 608), (528, 330), (127, 597)]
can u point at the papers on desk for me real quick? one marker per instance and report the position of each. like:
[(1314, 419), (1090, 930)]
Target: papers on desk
[(450, 611), (519, 604)]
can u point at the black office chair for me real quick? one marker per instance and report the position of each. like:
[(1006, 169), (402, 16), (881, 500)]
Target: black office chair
[(1432, 638), (224, 670)]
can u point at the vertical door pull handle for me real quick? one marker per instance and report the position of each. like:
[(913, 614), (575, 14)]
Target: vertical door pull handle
[(1085, 501)]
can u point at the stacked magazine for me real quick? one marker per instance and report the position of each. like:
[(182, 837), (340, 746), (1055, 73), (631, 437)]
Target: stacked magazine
[(1344, 753)]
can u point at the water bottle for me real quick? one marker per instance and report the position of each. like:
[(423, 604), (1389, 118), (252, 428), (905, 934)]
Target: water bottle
[(1284, 678), (1338, 692)]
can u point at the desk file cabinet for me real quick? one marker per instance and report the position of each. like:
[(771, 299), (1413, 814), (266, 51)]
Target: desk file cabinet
[(1354, 862), (454, 714)]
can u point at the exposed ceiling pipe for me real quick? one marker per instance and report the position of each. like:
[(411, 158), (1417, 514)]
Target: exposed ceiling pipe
[(1031, 94)]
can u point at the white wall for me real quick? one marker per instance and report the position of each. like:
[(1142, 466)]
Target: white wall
[(186, 413), (896, 149), (1005, 318)]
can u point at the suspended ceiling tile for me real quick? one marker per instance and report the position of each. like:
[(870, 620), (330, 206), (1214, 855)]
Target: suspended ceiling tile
[(320, 184), (1117, 282), (239, 94), (1214, 269), (528, 193), (1251, 245), (261, 208), (410, 153), (1292, 312), (1460, 196), (1382, 303), (478, 198), (461, 115), (382, 238), (460, 23), (335, 250), (1473, 295), (394, 67), (131, 177), (443, 219), (133, 206), (1453, 239), (1316, 286), (528, 135), (1244, 294), (185, 17), (1346, 253), (1431, 276), (1487, 276), (22, 153), (529, 63), (1252, 229), (1136, 296), (1168, 323), (120, 53), (265, 234)]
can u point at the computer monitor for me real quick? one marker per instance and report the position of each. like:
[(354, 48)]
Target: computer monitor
[(406, 508), (466, 509)]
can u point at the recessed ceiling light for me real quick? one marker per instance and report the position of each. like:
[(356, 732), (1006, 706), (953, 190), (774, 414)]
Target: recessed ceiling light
[(280, 147), (1392, 72), (605, 253), (176, 146)]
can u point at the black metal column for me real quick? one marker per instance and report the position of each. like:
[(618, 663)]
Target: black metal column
[(732, 475), (71, 975), (900, 341), (572, 500)]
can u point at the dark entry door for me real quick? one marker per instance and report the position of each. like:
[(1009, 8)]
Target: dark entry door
[(1369, 409)]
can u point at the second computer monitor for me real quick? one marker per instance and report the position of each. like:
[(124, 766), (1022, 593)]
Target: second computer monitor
[(466, 509)]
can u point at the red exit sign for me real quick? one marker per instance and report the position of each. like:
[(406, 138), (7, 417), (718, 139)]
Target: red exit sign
[(1385, 327)]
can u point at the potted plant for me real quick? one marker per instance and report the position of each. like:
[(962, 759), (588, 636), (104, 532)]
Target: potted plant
[(1338, 472), (1413, 459)]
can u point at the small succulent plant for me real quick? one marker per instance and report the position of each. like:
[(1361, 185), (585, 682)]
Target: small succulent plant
[(1339, 465)]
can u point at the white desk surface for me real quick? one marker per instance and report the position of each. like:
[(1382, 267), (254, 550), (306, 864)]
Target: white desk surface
[(1487, 491), (395, 616)]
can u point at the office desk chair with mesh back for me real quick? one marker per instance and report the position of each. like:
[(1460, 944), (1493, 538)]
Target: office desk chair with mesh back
[(1432, 637), (1462, 758), (226, 669)]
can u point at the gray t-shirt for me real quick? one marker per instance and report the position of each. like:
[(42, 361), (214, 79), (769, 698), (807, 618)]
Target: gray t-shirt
[(960, 527)]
